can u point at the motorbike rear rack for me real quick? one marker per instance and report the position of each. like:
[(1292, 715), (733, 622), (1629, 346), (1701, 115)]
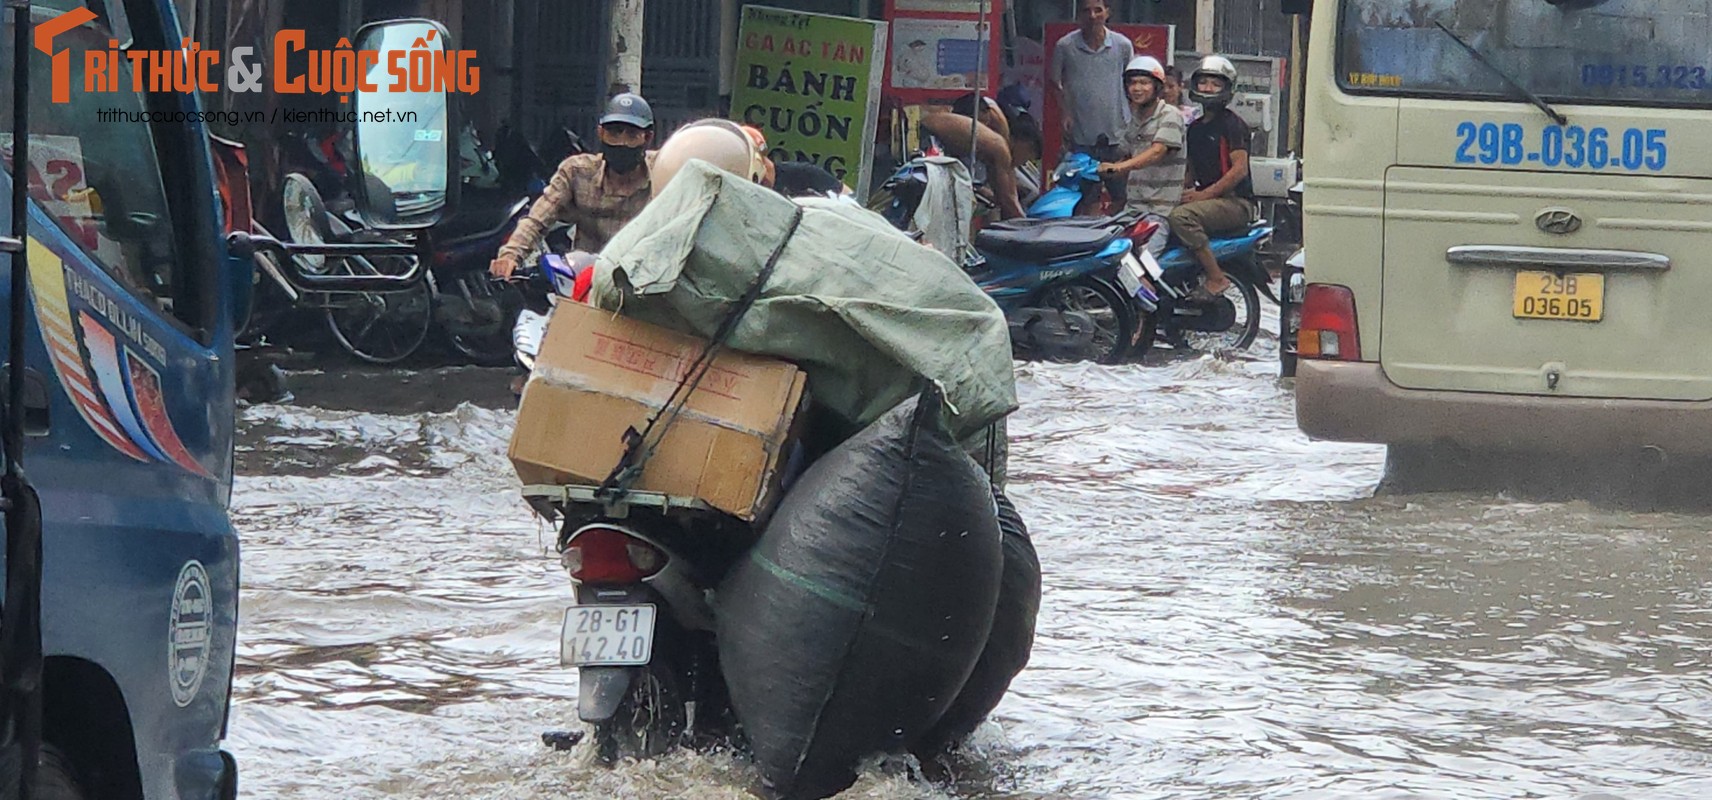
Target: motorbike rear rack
[(559, 496)]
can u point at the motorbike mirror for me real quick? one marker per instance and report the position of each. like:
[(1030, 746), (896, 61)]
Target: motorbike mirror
[(407, 142)]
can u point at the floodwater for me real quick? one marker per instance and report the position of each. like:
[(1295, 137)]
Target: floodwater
[(1227, 614)]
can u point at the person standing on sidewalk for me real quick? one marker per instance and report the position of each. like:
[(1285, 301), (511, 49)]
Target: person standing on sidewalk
[(1087, 77)]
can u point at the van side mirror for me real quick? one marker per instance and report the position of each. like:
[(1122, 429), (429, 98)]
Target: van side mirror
[(406, 141)]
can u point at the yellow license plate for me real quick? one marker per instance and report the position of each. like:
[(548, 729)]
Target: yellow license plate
[(1577, 297)]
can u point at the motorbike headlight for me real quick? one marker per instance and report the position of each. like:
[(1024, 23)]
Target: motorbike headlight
[(526, 336)]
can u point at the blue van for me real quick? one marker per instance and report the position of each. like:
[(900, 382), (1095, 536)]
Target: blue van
[(133, 299)]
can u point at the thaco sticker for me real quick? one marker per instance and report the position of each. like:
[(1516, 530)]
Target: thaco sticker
[(187, 653)]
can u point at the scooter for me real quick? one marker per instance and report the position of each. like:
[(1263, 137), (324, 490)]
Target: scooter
[(552, 279), (1065, 286), (642, 631)]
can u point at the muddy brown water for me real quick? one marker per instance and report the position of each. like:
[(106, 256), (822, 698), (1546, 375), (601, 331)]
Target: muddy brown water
[(1227, 614)]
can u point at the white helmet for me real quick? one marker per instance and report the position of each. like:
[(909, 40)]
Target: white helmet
[(720, 142), (1146, 65), (1218, 67)]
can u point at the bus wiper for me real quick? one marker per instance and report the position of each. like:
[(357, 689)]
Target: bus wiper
[(1524, 91)]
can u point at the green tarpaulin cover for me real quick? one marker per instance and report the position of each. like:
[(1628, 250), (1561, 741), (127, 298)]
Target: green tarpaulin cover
[(864, 311)]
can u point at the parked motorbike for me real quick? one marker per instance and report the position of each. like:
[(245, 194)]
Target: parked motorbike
[(1074, 173), (1065, 285), (1186, 318)]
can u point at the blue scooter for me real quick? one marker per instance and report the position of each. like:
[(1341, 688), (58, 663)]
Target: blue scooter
[(1068, 287), (1186, 317)]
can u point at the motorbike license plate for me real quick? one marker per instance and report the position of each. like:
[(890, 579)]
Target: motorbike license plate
[(1577, 297), (1129, 274), (607, 636)]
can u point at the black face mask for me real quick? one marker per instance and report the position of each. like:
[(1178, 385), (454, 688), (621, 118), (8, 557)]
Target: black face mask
[(622, 159)]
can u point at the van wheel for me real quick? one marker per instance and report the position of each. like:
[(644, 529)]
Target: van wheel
[(55, 777), (1425, 469)]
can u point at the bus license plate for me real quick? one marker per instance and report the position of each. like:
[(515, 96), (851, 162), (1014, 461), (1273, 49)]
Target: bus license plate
[(1576, 297), (607, 636)]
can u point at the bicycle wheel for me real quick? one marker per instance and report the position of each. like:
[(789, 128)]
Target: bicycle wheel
[(380, 327)]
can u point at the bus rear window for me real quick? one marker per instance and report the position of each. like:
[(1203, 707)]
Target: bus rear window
[(1617, 52)]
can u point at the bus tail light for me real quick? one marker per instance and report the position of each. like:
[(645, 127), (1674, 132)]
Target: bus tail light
[(1328, 324)]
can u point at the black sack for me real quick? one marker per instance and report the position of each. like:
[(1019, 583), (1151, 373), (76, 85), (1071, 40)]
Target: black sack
[(1008, 644), (854, 622)]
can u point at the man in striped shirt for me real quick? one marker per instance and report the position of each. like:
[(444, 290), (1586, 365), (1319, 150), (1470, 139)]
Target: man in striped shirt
[(1154, 141)]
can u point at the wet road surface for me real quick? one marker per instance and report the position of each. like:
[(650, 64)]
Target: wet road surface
[(1227, 614)]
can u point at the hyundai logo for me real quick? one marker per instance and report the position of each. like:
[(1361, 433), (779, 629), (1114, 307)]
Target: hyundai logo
[(1560, 221)]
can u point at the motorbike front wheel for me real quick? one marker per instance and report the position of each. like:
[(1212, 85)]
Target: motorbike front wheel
[(1113, 316), (485, 345), (651, 721)]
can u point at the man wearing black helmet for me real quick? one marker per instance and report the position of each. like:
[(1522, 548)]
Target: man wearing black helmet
[(598, 193), (1219, 197)]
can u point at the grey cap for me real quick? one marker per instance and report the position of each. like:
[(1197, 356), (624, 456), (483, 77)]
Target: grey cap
[(629, 109)]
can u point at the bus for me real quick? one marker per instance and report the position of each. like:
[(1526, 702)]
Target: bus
[(1505, 212)]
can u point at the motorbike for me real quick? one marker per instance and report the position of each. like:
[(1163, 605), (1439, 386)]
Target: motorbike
[(552, 278), (1065, 286), (1073, 173), (1186, 318), (642, 631)]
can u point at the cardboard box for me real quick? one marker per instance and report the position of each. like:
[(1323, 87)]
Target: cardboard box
[(598, 374)]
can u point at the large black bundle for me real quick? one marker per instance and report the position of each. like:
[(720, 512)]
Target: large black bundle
[(1008, 644), (857, 618)]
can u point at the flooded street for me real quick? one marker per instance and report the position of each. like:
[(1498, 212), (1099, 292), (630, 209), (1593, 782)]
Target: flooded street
[(1227, 614)]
